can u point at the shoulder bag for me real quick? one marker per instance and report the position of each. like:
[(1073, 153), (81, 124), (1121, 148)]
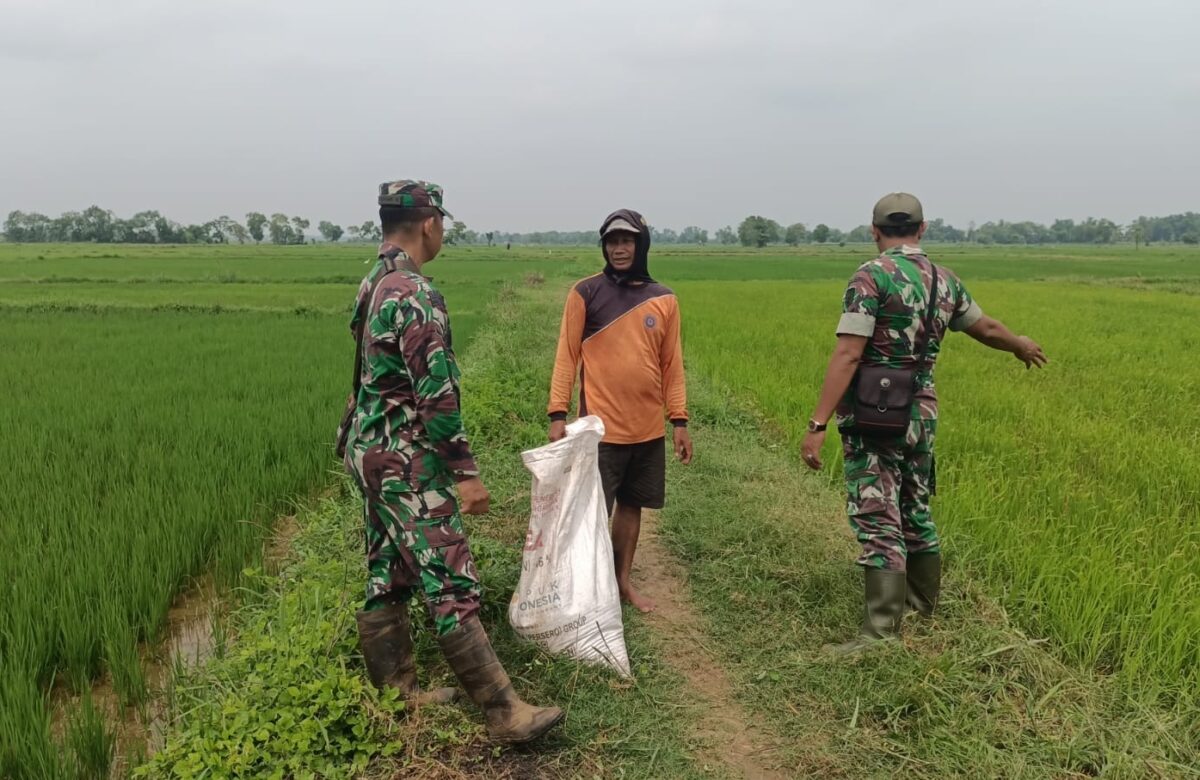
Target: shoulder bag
[(883, 396)]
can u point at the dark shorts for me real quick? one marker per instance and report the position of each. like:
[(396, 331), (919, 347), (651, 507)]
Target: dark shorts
[(634, 474)]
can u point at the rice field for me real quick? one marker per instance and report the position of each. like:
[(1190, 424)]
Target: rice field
[(162, 407), (1073, 491), (164, 404)]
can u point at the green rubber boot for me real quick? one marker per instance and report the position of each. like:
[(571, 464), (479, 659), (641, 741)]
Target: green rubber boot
[(385, 637), (508, 718), (924, 582), (885, 598)]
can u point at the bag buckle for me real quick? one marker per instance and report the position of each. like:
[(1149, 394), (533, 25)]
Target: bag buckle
[(884, 383)]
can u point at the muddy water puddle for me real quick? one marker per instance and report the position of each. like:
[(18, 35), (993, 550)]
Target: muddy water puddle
[(140, 729), (194, 626)]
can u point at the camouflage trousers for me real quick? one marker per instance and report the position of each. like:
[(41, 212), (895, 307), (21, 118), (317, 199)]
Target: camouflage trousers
[(888, 486), (416, 543)]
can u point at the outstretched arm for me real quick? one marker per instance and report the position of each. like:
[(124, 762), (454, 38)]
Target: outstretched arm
[(991, 332)]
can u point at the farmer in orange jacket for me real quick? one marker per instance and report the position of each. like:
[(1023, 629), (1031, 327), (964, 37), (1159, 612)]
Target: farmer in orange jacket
[(620, 335)]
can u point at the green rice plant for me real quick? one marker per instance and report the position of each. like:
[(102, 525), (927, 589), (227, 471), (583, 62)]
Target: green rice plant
[(1072, 490), (152, 432), (812, 263), (968, 694), (90, 742), (120, 653), (26, 746), (201, 296), (233, 267), (164, 404), (141, 449)]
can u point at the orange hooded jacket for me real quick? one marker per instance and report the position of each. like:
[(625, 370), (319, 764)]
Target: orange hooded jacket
[(621, 335)]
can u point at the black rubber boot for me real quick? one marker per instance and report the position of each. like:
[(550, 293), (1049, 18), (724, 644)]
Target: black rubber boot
[(385, 637), (924, 582), (885, 598), (508, 719)]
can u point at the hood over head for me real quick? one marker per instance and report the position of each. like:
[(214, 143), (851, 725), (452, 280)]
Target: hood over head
[(639, 272)]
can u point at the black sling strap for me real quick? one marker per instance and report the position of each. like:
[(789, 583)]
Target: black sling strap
[(363, 313), (389, 266)]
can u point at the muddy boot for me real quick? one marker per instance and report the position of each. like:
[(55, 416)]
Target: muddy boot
[(885, 592), (924, 582), (385, 637), (508, 719)]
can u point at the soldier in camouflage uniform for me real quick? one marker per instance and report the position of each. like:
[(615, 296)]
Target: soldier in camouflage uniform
[(409, 454), (889, 481)]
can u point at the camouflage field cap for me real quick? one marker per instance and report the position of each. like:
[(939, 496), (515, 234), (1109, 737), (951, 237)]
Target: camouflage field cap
[(411, 194), (897, 208)]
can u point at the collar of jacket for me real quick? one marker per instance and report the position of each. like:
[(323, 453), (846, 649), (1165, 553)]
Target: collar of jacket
[(401, 258), (907, 249)]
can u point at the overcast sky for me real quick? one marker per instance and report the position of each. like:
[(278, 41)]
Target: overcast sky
[(550, 114)]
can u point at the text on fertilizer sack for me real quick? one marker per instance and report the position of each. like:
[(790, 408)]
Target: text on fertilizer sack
[(557, 631), (545, 504)]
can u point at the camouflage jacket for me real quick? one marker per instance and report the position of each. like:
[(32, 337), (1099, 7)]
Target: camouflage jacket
[(408, 422), (886, 301)]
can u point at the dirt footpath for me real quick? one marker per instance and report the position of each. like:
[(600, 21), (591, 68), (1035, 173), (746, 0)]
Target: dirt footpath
[(730, 735)]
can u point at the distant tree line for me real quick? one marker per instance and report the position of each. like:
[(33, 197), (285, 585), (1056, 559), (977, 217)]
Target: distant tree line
[(101, 226), (551, 237), (757, 231)]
